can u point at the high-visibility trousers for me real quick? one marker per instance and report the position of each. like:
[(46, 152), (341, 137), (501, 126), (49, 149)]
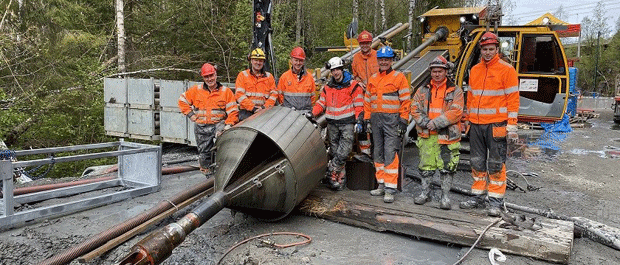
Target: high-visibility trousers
[(434, 155), (386, 142), (488, 159)]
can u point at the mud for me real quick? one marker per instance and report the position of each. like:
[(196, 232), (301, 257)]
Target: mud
[(579, 178)]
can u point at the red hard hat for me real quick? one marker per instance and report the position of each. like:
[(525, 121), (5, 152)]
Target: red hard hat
[(207, 69), (365, 36), (488, 38), (298, 53)]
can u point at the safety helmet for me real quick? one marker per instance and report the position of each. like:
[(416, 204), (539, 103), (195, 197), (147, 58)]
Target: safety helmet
[(488, 38), (365, 36), (440, 62), (207, 69), (334, 62), (385, 52), (258, 53), (298, 53)]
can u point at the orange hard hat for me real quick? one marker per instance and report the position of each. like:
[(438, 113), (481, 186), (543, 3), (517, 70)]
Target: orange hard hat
[(488, 38), (365, 36), (298, 53), (440, 62), (207, 69)]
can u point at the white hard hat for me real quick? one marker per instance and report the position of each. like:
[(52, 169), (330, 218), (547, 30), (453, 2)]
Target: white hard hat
[(334, 63)]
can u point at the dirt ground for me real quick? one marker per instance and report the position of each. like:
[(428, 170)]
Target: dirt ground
[(580, 179)]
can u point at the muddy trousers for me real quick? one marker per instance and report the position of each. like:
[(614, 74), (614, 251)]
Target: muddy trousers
[(386, 143), (340, 144), (205, 140), (488, 160)]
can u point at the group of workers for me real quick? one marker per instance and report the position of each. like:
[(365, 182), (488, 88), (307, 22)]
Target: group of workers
[(375, 102)]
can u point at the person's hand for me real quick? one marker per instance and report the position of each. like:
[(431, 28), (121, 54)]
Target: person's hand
[(402, 127), (256, 109), (512, 135), (431, 126), (309, 116), (193, 118), (368, 126), (228, 126)]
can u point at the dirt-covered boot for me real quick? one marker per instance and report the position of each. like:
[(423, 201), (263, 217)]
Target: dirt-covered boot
[(333, 180), (446, 184), (475, 202), (388, 197), (425, 196), (379, 191), (342, 179), (495, 205)]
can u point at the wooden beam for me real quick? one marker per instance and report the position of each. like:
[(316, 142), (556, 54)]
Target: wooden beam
[(462, 227)]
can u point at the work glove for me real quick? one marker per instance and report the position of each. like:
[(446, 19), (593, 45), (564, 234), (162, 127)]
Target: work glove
[(368, 126), (255, 109), (431, 126), (402, 127), (228, 126), (512, 135), (193, 118), (359, 128)]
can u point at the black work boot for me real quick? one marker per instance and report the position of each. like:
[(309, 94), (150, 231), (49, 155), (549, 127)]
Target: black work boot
[(474, 202), (495, 206), (425, 196), (446, 184)]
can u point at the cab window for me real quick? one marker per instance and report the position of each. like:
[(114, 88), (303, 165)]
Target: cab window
[(541, 54)]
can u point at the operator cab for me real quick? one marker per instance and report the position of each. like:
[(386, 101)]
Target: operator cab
[(537, 55)]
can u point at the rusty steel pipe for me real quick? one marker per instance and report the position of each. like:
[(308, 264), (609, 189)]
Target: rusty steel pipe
[(94, 242), (33, 189)]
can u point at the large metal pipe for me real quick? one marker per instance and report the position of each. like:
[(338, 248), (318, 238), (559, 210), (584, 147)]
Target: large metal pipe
[(266, 165), (375, 42), (440, 33)]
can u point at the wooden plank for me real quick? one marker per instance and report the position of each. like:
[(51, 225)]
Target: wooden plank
[(551, 243)]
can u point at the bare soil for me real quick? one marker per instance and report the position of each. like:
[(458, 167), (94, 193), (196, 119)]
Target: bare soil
[(581, 179)]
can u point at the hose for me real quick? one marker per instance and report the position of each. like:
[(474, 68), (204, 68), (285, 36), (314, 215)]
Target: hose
[(94, 242), (307, 241)]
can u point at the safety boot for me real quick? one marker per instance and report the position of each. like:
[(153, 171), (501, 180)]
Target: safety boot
[(379, 191), (495, 205), (333, 180), (388, 197), (342, 179), (425, 195), (475, 202), (446, 184)]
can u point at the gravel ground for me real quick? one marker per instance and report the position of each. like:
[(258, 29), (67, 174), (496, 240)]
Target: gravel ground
[(581, 179)]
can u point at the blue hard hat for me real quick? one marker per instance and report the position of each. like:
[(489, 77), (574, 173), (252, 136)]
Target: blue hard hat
[(385, 52)]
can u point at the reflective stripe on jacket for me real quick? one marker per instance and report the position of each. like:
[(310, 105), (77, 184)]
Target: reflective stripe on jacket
[(494, 93), (364, 66), (295, 93), (387, 92), (210, 107), (253, 91), (442, 103), (341, 105)]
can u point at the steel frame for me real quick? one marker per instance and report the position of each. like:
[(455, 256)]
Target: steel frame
[(139, 172)]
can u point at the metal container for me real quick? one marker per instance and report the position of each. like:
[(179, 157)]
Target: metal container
[(277, 139)]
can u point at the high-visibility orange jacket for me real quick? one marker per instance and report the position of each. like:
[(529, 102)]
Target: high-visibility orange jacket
[(296, 93), (364, 65), (494, 93), (342, 102), (387, 92), (255, 91), (443, 104), (209, 106)]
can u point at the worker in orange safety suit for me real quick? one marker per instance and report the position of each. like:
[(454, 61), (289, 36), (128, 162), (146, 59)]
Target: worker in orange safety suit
[(213, 109), (255, 89), (296, 86), (364, 65), (341, 100), (386, 113), (492, 108), (437, 108)]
